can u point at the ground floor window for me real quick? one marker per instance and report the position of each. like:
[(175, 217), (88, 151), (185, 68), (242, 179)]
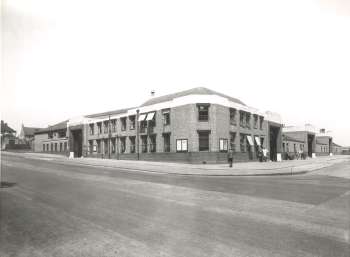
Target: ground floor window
[(166, 139), (242, 143), (61, 147), (132, 144), (232, 141), (65, 146), (153, 144), (55, 147), (105, 146), (91, 147), (223, 145), (203, 140), (113, 144), (144, 144), (43, 147), (122, 145), (181, 145), (98, 146)]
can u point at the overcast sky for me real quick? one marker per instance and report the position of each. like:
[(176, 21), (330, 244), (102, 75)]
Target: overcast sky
[(63, 58)]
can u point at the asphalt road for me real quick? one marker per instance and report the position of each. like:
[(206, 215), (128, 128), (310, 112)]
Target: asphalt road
[(60, 209)]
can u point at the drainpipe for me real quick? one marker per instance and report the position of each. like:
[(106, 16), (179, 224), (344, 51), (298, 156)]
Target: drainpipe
[(109, 136), (137, 133)]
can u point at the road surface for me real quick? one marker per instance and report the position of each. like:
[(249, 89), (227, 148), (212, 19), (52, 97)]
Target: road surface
[(65, 209)]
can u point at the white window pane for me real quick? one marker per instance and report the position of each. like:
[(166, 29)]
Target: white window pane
[(142, 117), (184, 145), (178, 145), (150, 116), (225, 145)]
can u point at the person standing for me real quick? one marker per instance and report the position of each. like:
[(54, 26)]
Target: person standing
[(230, 157)]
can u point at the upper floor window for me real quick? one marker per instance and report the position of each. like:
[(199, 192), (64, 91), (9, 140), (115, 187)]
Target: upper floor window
[(132, 122), (247, 116), (233, 116), (256, 121), (99, 127), (261, 122), (91, 128), (123, 123), (153, 143), (203, 112), (114, 125), (242, 119), (105, 127), (166, 117)]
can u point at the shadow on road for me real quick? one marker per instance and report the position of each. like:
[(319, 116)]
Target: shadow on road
[(5, 184)]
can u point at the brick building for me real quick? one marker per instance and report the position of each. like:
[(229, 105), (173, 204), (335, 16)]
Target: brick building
[(291, 146), (52, 139), (195, 126), (26, 136), (304, 136)]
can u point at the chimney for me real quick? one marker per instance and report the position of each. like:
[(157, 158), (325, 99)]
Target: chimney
[(153, 93)]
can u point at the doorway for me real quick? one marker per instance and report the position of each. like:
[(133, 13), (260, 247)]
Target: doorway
[(77, 142)]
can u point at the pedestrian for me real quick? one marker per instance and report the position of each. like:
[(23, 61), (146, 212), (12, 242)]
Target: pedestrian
[(230, 157)]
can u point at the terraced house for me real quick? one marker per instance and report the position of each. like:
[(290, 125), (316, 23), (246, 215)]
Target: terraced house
[(196, 126)]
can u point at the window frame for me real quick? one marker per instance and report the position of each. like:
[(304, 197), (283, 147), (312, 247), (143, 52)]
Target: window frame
[(182, 141), (222, 149), (199, 115)]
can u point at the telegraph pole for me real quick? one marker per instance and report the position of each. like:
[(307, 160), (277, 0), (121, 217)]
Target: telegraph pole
[(109, 136)]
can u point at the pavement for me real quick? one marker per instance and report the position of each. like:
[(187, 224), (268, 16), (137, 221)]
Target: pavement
[(54, 207), (290, 167)]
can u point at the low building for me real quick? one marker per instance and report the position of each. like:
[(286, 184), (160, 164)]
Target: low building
[(26, 136), (195, 126), (291, 147), (52, 139), (324, 143), (305, 135), (336, 149), (8, 136)]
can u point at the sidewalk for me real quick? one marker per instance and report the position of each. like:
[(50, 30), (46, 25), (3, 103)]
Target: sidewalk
[(291, 167), (238, 169)]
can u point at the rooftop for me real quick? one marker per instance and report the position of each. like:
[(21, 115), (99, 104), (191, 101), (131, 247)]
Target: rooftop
[(192, 91), (5, 128)]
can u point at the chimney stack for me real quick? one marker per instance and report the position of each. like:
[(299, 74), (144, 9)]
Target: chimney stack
[(153, 93)]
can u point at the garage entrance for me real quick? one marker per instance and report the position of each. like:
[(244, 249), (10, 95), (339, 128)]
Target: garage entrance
[(77, 142), (274, 133), (310, 144)]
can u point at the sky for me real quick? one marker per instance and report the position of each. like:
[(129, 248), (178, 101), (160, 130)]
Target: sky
[(64, 58)]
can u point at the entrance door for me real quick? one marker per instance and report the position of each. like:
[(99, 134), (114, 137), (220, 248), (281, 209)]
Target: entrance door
[(77, 142)]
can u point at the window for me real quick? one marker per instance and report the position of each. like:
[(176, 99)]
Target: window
[(223, 145), (51, 147), (55, 147), (295, 148), (203, 140), (284, 147), (255, 121), (151, 118), (242, 119), (91, 127), (99, 128), (122, 145), (43, 147), (301, 147), (143, 126), (62, 133), (233, 116), (166, 138), (242, 143), (61, 147), (105, 146), (65, 146), (91, 146), (132, 144), (247, 116), (181, 145), (132, 122), (105, 127), (47, 147), (232, 141), (262, 139), (203, 112), (113, 144), (144, 144), (166, 117), (153, 144), (114, 125), (123, 123), (98, 146), (50, 135), (287, 147), (261, 122)]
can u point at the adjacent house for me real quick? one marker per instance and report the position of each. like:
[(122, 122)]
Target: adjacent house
[(8, 136), (26, 136)]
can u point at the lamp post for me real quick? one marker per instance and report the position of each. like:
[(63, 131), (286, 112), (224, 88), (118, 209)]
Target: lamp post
[(109, 136)]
